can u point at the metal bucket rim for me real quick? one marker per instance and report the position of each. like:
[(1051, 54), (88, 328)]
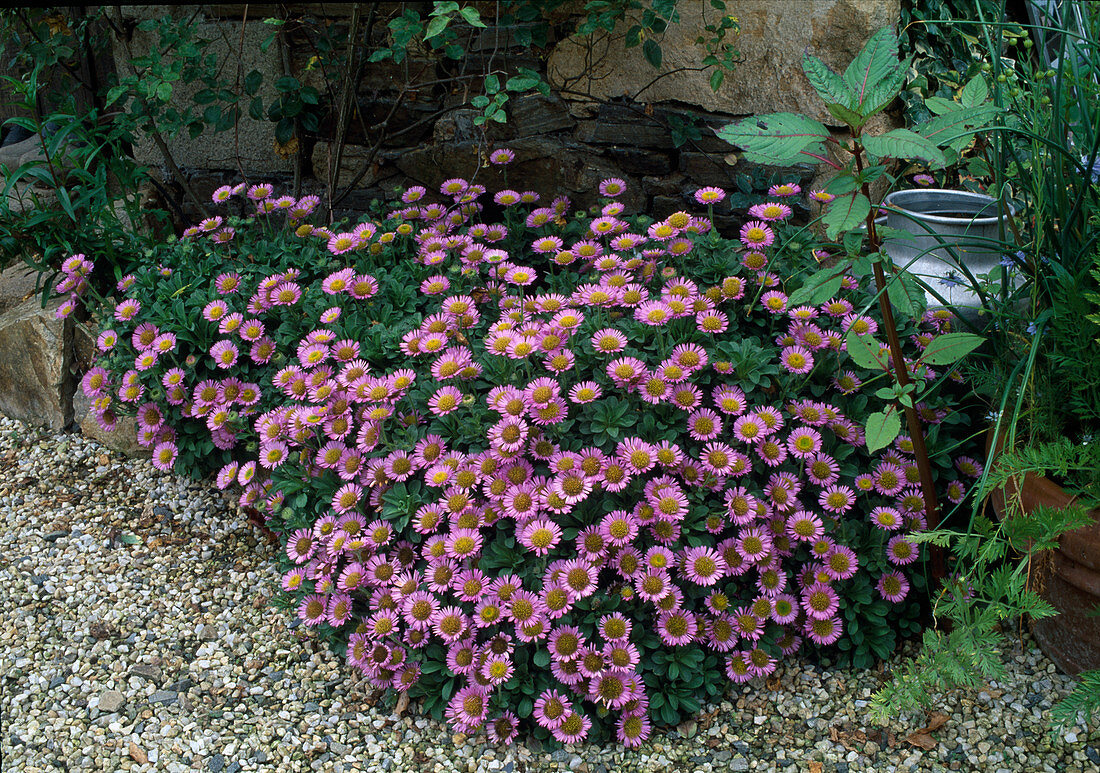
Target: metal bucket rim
[(890, 203)]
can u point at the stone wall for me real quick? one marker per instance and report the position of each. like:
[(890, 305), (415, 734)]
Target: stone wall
[(609, 113)]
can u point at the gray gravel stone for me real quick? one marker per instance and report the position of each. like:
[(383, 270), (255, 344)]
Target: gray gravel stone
[(111, 701), (264, 695)]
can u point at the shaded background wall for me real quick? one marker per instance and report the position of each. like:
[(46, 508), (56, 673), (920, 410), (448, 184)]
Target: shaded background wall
[(609, 113)]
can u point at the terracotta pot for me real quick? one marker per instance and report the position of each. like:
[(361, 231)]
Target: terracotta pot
[(1069, 579)]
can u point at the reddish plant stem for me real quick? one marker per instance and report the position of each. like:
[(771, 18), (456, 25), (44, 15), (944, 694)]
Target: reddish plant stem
[(901, 374)]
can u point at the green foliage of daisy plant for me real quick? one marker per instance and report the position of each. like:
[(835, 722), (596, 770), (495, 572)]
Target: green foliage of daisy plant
[(561, 472)]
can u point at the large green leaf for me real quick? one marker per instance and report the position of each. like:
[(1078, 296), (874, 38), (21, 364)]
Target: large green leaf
[(881, 94), (877, 62), (975, 92), (819, 287), (949, 348), (845, 213), (941, 105), (832, 88), (882, 429), (777, 138), (955, 127), (906, 294), (903, 144), (845, 115), (864, 351)]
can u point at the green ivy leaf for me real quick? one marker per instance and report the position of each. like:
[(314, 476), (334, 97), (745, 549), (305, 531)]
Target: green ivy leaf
[(955, 128), (651, 50), (941, 105), (845, 115), (472, 17), (882, 429), (906, 294), (252, 82), (436, 26)]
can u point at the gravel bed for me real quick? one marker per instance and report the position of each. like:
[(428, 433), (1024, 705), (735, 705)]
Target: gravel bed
[(136, 634)]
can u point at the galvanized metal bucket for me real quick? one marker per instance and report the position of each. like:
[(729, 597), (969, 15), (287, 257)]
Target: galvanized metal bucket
[(955, 235)]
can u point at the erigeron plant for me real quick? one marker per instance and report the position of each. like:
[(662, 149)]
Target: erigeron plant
[(538, 468)]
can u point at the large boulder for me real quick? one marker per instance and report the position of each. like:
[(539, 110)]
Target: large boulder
[(123, 438), (35, 384), (18, 283), (774, 33)]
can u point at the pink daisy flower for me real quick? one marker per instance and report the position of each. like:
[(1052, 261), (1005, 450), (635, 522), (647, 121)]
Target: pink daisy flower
[(770, 211), (901, 551), (823, 632), (703, 565), (804, 442), (445, 400), (127, 310), (709, 195), (164, 456), (774, 301), (313, 609), (784, 189), (468, 709), (796, 359), (756, 234), (677, 628), (704, 424), (820, 601), (612, 187), (837, 499), (893, 586)]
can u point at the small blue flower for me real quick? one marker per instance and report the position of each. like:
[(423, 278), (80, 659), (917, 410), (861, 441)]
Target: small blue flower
[(1032, 328), (951, 280), (1095, 168)]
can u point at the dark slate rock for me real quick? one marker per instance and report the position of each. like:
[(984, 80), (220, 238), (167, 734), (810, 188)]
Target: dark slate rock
[(216, 763)]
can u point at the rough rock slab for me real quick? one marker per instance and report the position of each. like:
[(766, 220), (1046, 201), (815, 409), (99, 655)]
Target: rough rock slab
[(774, 33), (17, 284), (35, 385)]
